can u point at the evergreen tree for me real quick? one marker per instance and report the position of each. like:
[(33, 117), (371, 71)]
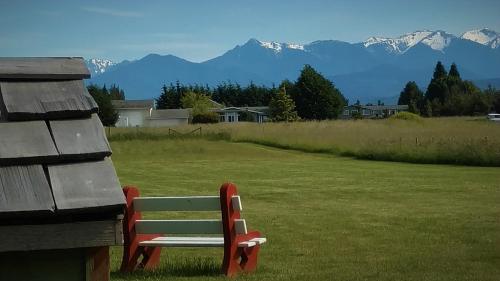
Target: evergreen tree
[(107, 112), (116, 93), (454, 72), (439, 72), (413, 97), (282, 107), (316, 97)]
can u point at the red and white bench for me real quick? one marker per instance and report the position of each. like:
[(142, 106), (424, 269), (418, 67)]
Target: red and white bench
[(143, 239)]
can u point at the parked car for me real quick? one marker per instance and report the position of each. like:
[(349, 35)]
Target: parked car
[(494, 117)]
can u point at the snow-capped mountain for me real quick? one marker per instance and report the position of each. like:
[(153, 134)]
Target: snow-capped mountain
[(376, 68), (99, 66), (437, 40), (483, 36), (278, 47)]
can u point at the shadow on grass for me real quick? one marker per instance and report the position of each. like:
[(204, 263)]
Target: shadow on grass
[(186, 267)]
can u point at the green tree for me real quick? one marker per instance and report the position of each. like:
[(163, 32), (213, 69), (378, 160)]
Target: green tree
[(413, 97), (116, 93), (107, 113), (199, 103), (315, 97), (282, 107), (454, 72)]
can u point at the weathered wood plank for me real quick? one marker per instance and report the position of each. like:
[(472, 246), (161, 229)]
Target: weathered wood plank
[(57, 236), (43, 68), (81, 186), (80, 138), (26, 143), (187, 203), (24, 189), (35, 100), (179, 226)]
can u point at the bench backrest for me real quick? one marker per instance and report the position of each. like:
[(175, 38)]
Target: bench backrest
[(184, 204)]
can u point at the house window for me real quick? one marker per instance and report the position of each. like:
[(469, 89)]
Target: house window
[(366, 112), (346, 112)]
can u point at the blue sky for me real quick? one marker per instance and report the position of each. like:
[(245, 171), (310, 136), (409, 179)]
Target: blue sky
[(198, 30)]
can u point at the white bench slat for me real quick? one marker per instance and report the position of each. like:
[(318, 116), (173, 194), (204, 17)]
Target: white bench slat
[(183, 243), (236, 202), (186, 203), (179, 226), (259, 241), (176, 238), (247, 244)]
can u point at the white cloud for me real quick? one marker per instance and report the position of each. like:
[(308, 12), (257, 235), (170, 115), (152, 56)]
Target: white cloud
[(113, 12)]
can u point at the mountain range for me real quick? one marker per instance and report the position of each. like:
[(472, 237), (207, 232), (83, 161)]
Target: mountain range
[(377, 68)]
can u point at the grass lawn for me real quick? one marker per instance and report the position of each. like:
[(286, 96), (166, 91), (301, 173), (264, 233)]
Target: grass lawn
[(327, 217)]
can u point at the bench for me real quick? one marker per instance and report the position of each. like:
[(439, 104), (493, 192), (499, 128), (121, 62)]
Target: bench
[(143, 239)]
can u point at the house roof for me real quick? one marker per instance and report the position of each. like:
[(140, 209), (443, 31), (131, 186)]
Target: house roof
[(381, 107), (133, 104), (53, 150), (170, 114), (253, 109)]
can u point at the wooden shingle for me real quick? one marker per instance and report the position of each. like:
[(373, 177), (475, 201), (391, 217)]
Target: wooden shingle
[(43, 68), (36, 100), (80, 138), (80, 187), (24, 189), (26, 143)]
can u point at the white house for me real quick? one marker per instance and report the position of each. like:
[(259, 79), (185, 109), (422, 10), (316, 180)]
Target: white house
[(142, 113), (233, 114), (133, 113)]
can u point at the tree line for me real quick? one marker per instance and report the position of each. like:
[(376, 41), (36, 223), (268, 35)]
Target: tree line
[(311, 97), (449, 95)]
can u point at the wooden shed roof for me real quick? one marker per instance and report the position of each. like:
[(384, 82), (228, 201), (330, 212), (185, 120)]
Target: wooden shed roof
[(53, 150)]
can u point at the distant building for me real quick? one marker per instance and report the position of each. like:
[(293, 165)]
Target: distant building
[(142, 113), (258, 114), (372, 111), (167, 117), (133, 113)]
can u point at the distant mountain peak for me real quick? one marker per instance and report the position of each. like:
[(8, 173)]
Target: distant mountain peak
[(99, 66), (276, 46), (484, 36), (437, 40)]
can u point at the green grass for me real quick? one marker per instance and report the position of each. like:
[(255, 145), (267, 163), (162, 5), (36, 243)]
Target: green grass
[(405, 138), (327, 217)]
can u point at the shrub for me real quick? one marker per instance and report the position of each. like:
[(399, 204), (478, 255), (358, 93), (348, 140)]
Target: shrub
[(205, 118), (406, 116)]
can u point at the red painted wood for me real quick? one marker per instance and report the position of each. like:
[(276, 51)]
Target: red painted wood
[(236, 259), (132, 252)]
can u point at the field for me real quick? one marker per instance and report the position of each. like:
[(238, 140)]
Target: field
[(463, 141), (327, 217)]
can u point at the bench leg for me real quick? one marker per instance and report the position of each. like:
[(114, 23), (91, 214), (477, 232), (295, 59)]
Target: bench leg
[(151, 257), (249, 258), (237, 259), (132, 255)]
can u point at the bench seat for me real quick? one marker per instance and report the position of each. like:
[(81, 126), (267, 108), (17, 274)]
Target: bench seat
[(198, 242)]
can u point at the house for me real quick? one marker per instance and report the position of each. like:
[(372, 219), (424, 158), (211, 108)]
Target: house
[(372, 111), (232, 114), (133, 113), (61, 203), (143, 113), (167, 117)]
